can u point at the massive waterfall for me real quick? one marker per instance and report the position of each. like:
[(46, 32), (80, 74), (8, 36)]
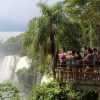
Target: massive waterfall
[(12, 64)]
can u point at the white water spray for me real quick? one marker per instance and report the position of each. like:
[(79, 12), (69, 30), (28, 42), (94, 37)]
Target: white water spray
[(24, 62), (8, 67), (11, 64)]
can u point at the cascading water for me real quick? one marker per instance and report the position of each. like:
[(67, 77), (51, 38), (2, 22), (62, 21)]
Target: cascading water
[(24, 62), (8, 67)]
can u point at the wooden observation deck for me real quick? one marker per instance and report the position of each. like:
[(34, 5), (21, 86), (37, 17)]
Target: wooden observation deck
[(83, 78)]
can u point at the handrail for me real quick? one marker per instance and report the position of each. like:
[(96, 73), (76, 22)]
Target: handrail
[(73, 74)]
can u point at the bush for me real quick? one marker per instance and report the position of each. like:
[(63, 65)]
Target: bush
[(9, 92), (56, 91), (51, 91)]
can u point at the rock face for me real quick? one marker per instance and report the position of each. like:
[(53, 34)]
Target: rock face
[(10, 65)]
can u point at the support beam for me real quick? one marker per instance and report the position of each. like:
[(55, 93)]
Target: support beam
[(87, 85)]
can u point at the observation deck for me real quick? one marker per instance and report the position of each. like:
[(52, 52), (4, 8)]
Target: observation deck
[(82, 77)]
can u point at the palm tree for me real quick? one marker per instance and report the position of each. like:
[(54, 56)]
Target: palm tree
[(49, 31), (41, 34), (47, 25)]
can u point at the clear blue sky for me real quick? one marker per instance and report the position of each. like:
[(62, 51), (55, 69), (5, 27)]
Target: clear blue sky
[(15, 14)]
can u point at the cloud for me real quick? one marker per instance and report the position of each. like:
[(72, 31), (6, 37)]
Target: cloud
[(15, 14), (6, 35)]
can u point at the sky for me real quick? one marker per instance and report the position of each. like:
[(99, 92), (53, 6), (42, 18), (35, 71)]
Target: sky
[(15, 14)]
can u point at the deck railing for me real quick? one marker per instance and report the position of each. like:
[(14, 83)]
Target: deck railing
[(78, 73)]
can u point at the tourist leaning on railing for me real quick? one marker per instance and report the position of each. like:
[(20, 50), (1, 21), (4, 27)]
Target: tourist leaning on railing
[(89, 61), (62, 58), (85, 53), (74, 67), (72, 60), (79, 59), (69, 59)]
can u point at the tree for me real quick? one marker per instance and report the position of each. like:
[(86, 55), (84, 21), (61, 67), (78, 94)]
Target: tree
[(48, 32), (91, 16), (87, 14), (44, 37)]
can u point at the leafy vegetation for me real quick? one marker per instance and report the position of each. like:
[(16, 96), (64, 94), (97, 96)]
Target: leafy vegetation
[(47, 34), (72, 24), (56, 91), (87, 14), (66, 24), (12, 46), (9, 92), (51, 91)]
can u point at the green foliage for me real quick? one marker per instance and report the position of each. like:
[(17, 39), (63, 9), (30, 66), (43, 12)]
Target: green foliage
[(52, 30), (12, 46), (71, 24), (52, 91), (26, 77), (76, 2), (9, 92), (87, 14), (70, 36), (56, 91)]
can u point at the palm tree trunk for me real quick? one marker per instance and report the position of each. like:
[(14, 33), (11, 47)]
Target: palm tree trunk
[(54, 64), (54, 53)]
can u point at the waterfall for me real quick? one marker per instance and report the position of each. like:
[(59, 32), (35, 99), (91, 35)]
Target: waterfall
[(24, 62), (8, 67), (46, 79)]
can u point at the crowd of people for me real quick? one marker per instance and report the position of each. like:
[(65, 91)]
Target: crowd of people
[(75, 59)]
